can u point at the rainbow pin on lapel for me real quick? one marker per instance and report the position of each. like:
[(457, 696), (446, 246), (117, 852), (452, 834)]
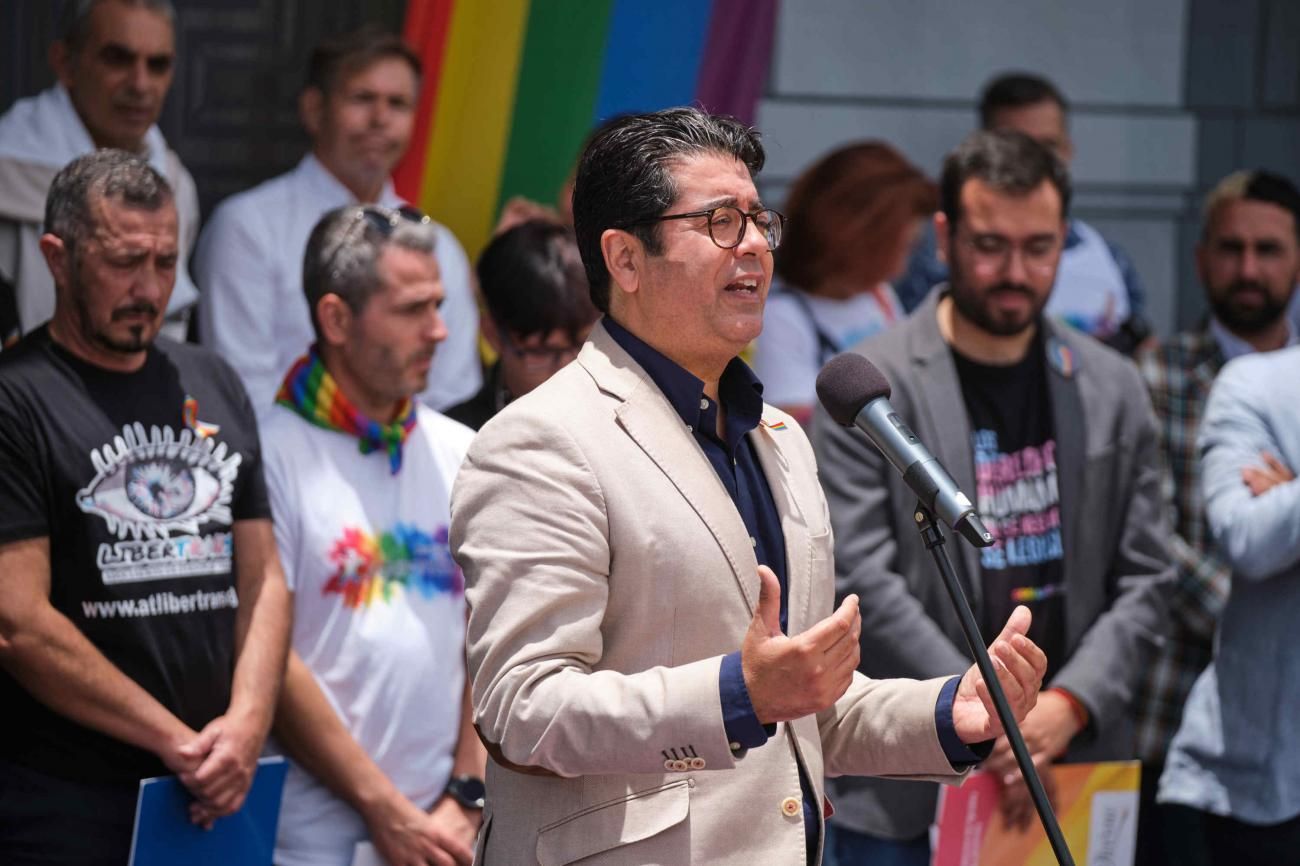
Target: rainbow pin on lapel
[(779, 425), (190, 415), (1061, 357)]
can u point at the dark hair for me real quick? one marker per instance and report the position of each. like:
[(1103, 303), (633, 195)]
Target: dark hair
[(1258, 185), (533, 282), (625, 176), (1010, 162), (337, 57), (343, 251), (850, 212), (76, 15), (104, 174), (1017, 90)]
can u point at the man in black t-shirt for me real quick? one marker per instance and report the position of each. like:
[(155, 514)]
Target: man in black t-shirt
[(1053, 436), (143, 612)]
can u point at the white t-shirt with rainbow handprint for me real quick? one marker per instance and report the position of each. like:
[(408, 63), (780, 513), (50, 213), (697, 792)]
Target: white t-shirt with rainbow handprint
[(379, 610)]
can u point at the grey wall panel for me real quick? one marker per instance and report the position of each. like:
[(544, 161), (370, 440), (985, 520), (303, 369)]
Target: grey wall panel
[(1134, 149), (1112, 148), (1218, 151), (796, 133), (1190, 304), (1280, 69), (1123, 52), (1272, 142), (1222, 52)]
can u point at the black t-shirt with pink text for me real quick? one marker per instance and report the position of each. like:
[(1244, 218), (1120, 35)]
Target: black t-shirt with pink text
[(1014, 445)]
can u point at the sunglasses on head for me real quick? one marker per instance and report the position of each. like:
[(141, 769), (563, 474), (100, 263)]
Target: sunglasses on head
[(383, 219)]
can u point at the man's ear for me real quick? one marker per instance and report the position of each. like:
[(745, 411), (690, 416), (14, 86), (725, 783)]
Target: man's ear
[(624, 258), (334, 317), (60, 59), (58, 258), (942, 240), (311, 110)]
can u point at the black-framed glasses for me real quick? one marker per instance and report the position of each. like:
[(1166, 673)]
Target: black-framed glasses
[(727, 224), (384, 220), (538, 357)]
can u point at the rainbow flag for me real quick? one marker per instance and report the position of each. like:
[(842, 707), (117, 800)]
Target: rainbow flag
[(512, 87)]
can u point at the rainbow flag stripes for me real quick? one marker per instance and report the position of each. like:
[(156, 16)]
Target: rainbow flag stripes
[(1025, 594), (512, 88), (311, 391)]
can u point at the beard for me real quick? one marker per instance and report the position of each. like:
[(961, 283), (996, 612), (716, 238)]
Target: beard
[(975, 305), (1247, 319), (134, 338)]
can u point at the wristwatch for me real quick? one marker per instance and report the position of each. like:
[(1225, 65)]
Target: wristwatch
[(469, 791)]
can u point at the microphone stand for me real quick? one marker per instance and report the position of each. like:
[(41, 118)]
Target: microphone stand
[(933, 537)]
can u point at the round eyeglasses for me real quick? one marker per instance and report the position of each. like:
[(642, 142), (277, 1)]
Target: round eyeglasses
[(727, 224)]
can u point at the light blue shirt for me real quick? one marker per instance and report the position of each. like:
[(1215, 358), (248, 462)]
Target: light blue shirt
[(1233, 346), (1237, 751)]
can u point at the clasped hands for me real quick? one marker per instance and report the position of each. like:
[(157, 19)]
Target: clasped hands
[(217, 764), (791, 677)]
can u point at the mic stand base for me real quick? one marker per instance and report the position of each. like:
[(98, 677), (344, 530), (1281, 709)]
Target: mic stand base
[(932, 535)]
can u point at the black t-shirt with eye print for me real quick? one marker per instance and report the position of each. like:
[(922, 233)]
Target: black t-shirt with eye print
[(136, 480)]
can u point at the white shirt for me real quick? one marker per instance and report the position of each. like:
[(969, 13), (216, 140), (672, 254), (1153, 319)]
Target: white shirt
[(38, 137), (252, 309), (1090, 291), (788, 354), (378, 610)]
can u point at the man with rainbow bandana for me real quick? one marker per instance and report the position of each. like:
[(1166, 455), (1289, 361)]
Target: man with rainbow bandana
[(374, 712)]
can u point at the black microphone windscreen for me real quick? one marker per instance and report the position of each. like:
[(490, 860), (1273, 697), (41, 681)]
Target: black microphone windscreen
[(847, 383)]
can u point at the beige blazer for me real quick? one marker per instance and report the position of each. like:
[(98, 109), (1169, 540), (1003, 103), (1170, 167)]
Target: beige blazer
[(608, 572)]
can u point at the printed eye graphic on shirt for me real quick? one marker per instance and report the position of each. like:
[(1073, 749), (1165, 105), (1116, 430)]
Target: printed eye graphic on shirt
[(157, 487), (370, 569), (152, 483)]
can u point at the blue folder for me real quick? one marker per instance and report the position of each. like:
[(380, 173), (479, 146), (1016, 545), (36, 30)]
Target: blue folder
[(164, 836)]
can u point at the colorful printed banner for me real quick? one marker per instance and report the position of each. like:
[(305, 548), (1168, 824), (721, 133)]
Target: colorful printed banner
[(1096, 805), (512, 87)]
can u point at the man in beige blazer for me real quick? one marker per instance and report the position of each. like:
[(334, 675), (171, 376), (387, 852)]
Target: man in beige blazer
[(656, 670)]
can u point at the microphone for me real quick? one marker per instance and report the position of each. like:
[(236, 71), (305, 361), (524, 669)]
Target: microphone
[(855, 393)]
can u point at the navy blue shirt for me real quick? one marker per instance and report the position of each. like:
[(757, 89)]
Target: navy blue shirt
[(736, 463)]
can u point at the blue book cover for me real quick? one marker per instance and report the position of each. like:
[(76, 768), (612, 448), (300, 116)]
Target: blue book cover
[(164, 836)]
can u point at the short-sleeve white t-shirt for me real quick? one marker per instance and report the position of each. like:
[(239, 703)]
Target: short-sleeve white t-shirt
[(379, 610)]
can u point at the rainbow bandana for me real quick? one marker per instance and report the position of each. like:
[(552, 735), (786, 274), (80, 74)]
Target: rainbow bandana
[(311, 391)]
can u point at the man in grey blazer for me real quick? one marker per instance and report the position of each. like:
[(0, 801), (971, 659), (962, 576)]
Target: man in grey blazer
[(1053, 434), (656, 670)]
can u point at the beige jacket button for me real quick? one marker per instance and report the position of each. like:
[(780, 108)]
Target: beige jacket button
[(791, 806), (670, 765), (681, 766), (697, 763)]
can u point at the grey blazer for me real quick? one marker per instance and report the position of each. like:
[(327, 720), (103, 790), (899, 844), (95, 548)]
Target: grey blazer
[(1117, 568)]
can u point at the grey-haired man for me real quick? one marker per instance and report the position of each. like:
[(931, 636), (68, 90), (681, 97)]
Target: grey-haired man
[(113, 60), (143, 614)]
